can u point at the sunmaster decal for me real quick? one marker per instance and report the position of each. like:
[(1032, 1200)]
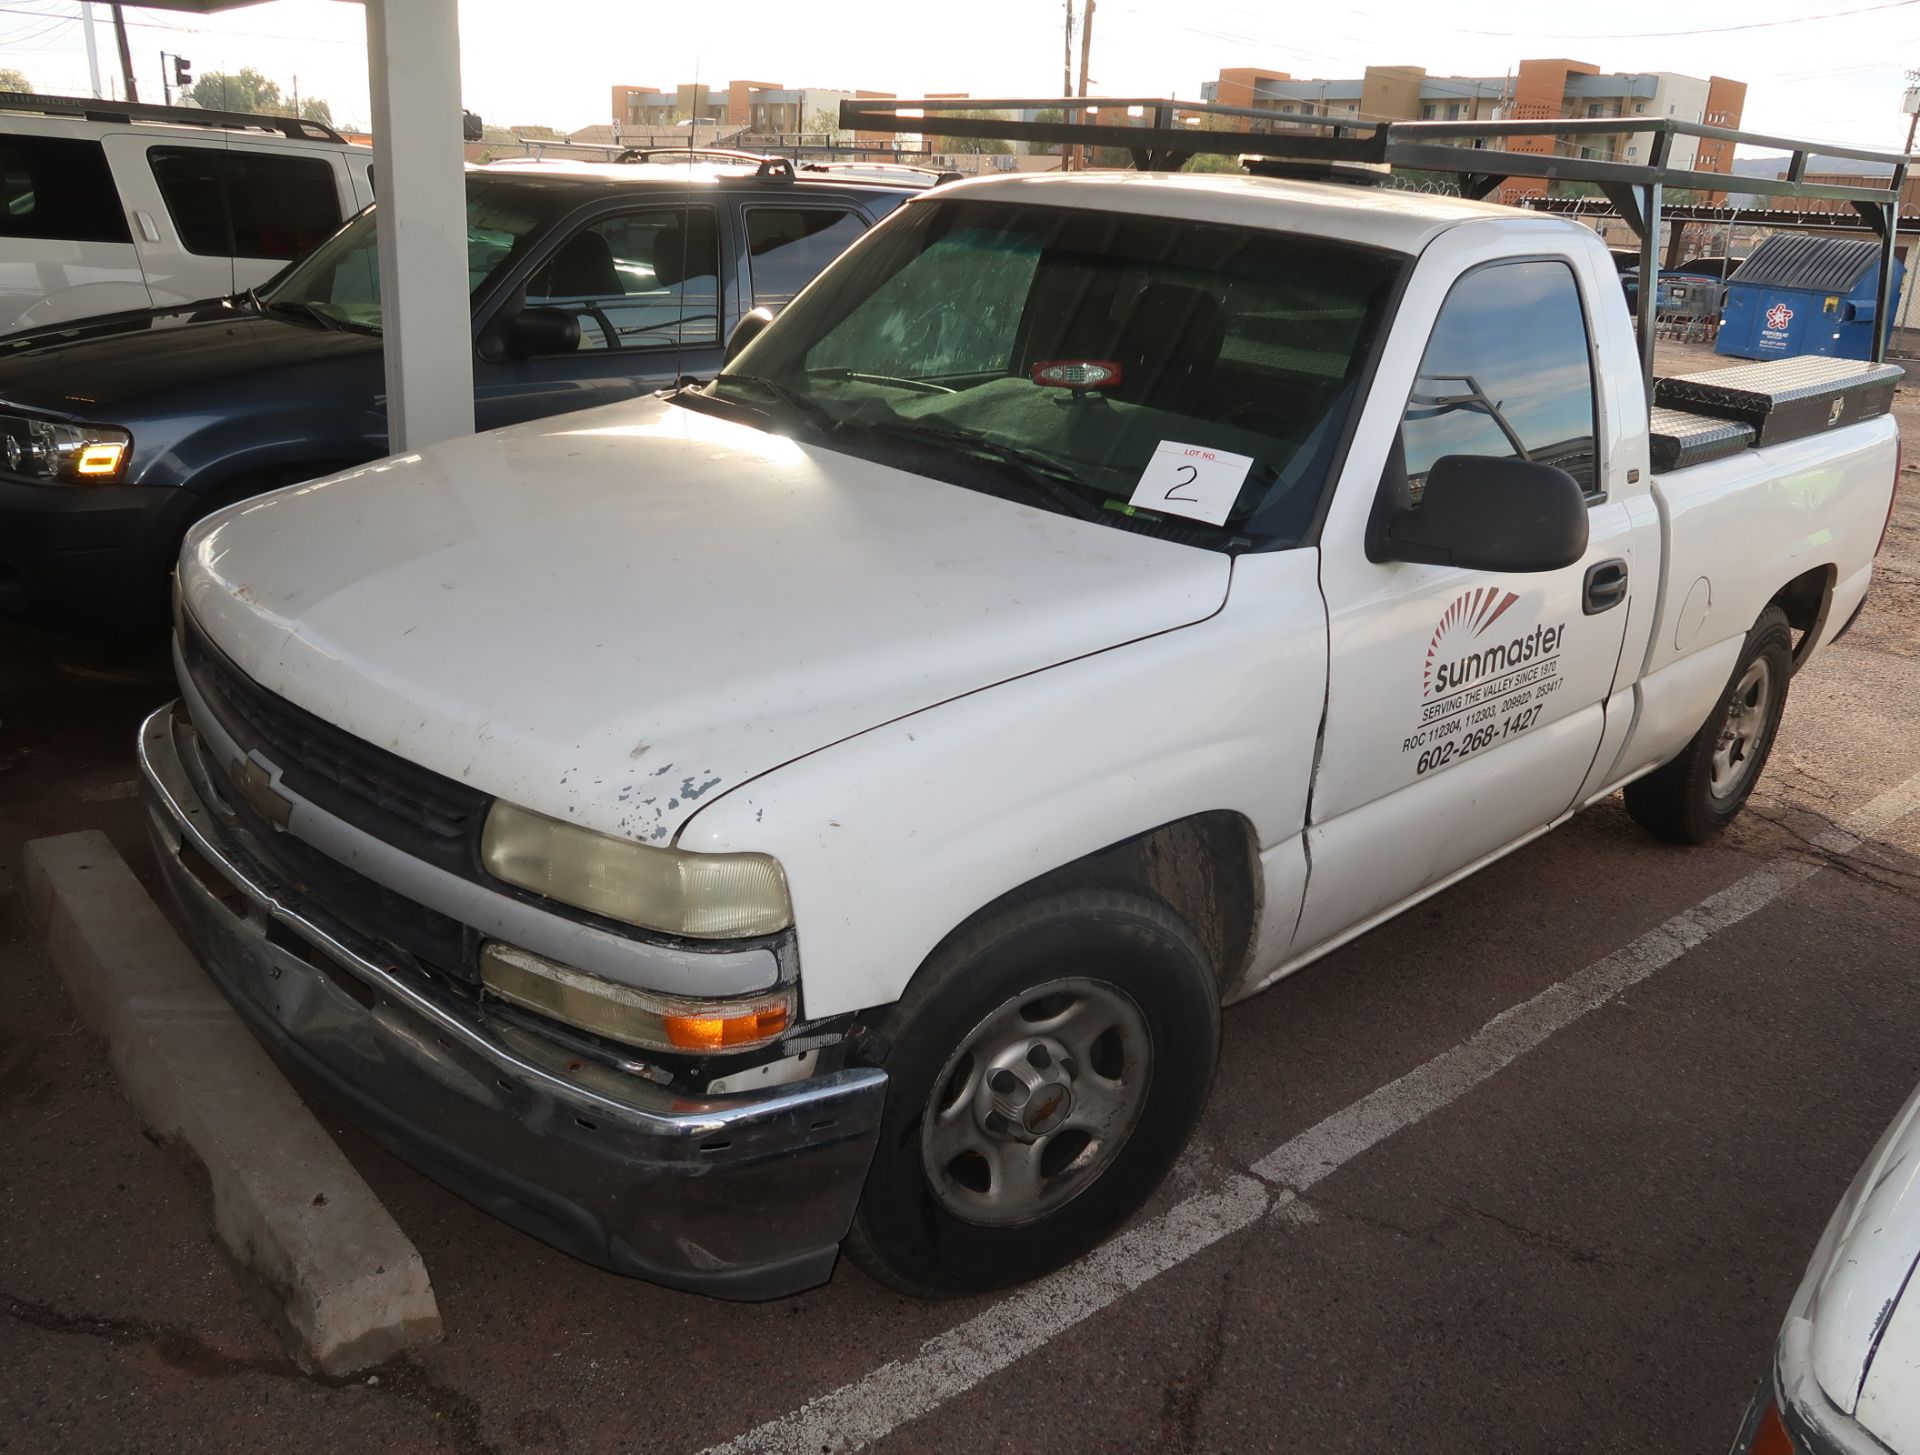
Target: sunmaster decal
[(1484, 678)]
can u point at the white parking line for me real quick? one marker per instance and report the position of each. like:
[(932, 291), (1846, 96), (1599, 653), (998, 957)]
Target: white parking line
[(872, 1407)]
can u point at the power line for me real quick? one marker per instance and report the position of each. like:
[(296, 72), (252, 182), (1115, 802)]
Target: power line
[(1704, 30)]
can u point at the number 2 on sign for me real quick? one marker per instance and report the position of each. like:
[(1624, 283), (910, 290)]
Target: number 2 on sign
[(1191, 480)]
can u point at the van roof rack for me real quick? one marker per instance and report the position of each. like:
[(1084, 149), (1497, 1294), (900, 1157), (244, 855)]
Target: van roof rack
[(765, 164), (1164, 134), (89, 108)]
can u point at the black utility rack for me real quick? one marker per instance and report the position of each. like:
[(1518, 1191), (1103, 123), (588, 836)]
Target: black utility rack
[(86, 108), (1170, 133)]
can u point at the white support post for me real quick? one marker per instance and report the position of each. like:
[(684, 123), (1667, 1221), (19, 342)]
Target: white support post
[(413, 74)]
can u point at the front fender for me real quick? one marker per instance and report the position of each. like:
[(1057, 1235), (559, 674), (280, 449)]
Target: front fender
[(213, 451), (891, 838)]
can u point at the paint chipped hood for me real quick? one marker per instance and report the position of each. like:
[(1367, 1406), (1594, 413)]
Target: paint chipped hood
[(1861, 1312), (608, 616)]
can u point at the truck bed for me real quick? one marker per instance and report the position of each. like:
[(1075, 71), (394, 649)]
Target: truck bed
[(1719, 412)]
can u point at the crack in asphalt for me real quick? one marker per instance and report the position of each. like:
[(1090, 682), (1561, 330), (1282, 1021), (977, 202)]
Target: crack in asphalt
[(182, 1350), (1186, 1395)]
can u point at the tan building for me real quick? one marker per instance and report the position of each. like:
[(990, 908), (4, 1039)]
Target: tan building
[(1535, 90)]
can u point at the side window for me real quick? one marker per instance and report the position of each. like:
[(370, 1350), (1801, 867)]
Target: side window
[(1507, 374), (58, 188), (904, 327), (638, 279), (788, 245), (246, 204)]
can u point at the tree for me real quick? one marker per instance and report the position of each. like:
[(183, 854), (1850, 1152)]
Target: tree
[(972, 145), (1053, 116), (823, 123), (1212, 162), (246, 91), (12, 80)]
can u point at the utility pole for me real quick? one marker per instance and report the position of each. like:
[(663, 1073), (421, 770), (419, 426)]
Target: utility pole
[(1066, 82), (1086, 48), (166, 89), (126, 54), (1913, 106), (93, 47)]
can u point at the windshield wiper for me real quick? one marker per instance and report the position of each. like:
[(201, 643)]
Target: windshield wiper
[(799, 406), (305, 310), (1043, 478)]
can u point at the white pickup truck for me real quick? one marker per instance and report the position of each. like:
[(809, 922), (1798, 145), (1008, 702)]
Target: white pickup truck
[(832, 804)]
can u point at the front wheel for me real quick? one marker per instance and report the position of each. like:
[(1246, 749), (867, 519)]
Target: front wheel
[(1046, 1067), (1690, 799)]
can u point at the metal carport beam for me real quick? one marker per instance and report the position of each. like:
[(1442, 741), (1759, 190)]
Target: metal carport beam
[(413, 78)]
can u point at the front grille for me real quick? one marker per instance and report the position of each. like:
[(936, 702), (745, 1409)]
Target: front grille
[(402, 804)]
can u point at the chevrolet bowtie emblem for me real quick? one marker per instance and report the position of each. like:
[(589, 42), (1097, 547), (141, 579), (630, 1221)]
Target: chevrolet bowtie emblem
[(256, 786)]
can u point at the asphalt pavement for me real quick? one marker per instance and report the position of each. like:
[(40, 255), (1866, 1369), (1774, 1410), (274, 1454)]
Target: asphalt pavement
[(1534, 1167)]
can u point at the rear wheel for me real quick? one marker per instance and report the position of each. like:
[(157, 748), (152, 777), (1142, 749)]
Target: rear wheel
[(1690, 799), (1046, 1067)]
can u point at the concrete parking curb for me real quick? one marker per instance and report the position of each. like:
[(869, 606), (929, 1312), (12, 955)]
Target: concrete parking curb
[(323, 1260)]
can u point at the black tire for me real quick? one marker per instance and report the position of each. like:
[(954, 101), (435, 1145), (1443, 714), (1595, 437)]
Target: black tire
[(1107, 939), (1679, 802)]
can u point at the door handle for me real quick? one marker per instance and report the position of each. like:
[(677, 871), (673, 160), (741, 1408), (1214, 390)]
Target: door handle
[(1605, 586), (147, 229)]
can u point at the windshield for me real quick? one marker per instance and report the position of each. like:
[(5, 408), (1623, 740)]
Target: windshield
[(340, 279), (1185, 379)]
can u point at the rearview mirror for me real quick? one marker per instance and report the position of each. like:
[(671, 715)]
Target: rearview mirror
[(747, 330), (1492, 515), (536, 331)]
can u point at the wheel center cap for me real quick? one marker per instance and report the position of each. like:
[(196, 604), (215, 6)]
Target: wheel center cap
[(1049, 1109)]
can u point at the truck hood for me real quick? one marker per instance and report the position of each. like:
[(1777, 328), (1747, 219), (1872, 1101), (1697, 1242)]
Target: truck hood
[(1864, 1315), (102, 369), (615, 615)]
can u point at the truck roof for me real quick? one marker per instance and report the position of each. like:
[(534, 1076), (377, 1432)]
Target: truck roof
[(1383, 217)]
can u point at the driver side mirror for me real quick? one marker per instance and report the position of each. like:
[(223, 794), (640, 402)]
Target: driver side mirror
[(747, 330), (537, 331), (523, 333), (1489, 514)]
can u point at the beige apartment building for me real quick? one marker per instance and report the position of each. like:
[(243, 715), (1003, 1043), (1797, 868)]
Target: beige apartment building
[(1534, 90)]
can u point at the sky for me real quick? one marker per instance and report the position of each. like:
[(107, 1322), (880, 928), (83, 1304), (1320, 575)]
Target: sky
[(1829, 70)]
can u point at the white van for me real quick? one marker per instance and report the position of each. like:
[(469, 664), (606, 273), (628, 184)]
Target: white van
[(106, 207)]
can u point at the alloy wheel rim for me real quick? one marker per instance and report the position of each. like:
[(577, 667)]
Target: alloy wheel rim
[(1036, 1101), (1743, 728)]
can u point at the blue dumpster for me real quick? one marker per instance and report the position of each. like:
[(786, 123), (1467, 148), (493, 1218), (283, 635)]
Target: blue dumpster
[(1805, 295)]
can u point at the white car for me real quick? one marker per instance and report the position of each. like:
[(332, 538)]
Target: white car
[(107, 207), (1845, 1378), (835, 802)]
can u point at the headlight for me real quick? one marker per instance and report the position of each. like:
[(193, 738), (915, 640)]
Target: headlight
[(47, 449), (701, 896), (633, 1017)]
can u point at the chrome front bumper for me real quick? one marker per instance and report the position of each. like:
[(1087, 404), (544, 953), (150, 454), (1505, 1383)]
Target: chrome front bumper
[(740, 1196)]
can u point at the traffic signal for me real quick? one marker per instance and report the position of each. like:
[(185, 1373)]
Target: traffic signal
[(470, 128), (182, 73)]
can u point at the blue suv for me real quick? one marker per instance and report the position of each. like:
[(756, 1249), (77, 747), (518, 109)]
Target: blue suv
[(590, 283)]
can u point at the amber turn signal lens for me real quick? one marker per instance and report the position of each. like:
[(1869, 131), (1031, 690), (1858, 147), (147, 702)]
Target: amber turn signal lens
[(630, 1015), (1771, 1438), (724, 1032), (95, 461)]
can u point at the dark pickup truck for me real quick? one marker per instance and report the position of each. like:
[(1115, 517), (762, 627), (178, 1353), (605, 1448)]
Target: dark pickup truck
[(591, 283)]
